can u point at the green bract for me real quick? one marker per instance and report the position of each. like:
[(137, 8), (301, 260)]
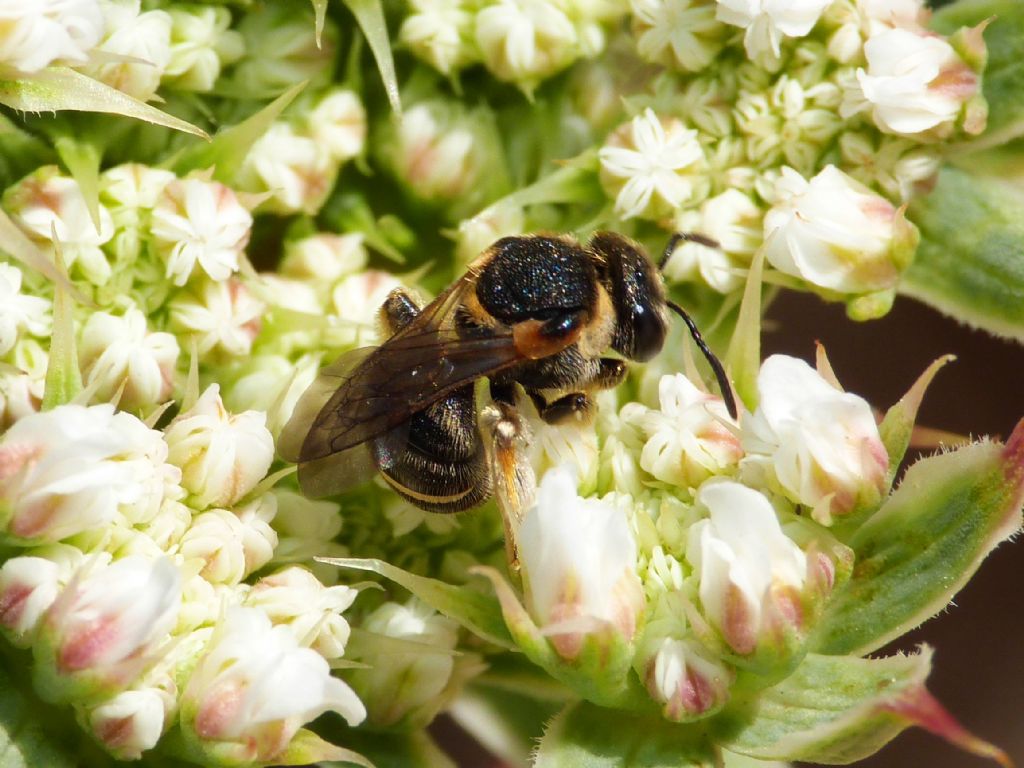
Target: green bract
[(203, 204)]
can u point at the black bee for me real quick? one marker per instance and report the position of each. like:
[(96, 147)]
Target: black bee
[(535, 311)]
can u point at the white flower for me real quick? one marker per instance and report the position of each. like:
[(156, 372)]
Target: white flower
[(220, 315), (36, 33), (338, 124), (440, 32), (579, 561), (215, 541), (296, 170), (653, 166), (525, 41), (117, 352), (857, 20), (821, 444), (19, 311), (835, 233), (734, 221), (222, 456), (294, 597), (73, 469), (688, 439), (47, 202), (677, 33), (746, 564), (201, 44), (28, 586), (255, 687), (436, 160), (767, 21), (141, 48), (20, 394), (914, 82), (197, 221), (357, 300), (129, 723), (324, 257), (398, 683), (684, 681), (107, 621)]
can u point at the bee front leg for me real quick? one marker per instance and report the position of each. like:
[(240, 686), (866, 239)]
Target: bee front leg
[(572, 407)]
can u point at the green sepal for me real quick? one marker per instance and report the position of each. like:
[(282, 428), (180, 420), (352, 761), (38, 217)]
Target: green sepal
[(924, 543), (370, 17), (587, 736), (969, 262), (58, 88), (1003, 84), (307, 748), (743, 359), (226, 151), (478, 612), (63, 376)]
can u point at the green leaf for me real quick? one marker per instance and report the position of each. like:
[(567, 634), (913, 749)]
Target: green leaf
[(587, 736), (395, 750), (370, 16), (59, 88), (1003, 83), (28, 737), (925, 542), (226, 151), (478, 612), (831, 710), (970, 264)]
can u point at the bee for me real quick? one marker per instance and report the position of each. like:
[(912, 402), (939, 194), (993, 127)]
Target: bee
[(536, 312)]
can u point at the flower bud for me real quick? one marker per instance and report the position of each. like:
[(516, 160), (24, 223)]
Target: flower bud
[(653, 166), (104, 626), (118, 352), (487, 227), (295, 171), (747, 566), (681, 678), (201, 44), (141, 48), (404, 687), (222, 317), (216, 541), (684, 35), (222, 456), (47, 202), (525, 41), (688, 439), (18, 311), (914, 82), (29, 585), (35, 34), (836, 234), (295, 598), (197, 221), (767, 22), (254, 688), (820, 444), (338, 125), (74, 469), (441, 33), (129, 723), (324, 257), (579, 567), (356, 301), (306, 529)]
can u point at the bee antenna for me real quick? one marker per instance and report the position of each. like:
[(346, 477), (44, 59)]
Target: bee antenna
[(687, 237), (716, 364)]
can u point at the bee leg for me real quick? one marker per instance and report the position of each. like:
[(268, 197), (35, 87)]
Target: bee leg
[(612, 373), (398, 310), (506, 436), (575, 406)]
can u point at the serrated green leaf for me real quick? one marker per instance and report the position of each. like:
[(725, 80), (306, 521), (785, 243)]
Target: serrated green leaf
[(1003, 82), (831, 710), (587, 736), (970, 263), (925, 542), (226, 151), (478, 612), (58, 88)]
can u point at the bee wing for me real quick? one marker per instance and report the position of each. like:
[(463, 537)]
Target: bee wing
[(379, 389)]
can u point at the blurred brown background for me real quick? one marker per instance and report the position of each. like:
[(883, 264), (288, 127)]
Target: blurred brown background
[(979, 654)]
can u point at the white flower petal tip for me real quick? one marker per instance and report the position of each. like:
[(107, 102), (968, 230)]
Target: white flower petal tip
[(820, 446), (768, 22)]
